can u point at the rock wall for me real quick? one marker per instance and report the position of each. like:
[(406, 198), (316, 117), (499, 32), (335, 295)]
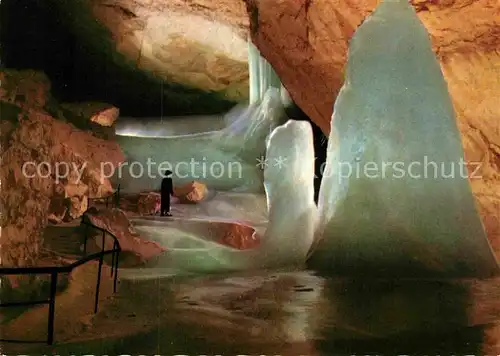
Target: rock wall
[(306, 42), (89, 56), (30, 193), (200, 44)]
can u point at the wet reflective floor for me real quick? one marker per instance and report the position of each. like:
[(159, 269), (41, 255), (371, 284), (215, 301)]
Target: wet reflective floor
[(299, 313), (280, 312)]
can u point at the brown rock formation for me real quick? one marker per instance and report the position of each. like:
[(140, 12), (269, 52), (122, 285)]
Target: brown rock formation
[(57, 209), (131, 243), (307, 41), (35, 147), (27, 88), (100, 113), (198, 43), (148, 203), (232, 234), (190, 193)]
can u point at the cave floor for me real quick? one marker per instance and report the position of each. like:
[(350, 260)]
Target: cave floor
[(270, 312), (223, 206), (262, 312)]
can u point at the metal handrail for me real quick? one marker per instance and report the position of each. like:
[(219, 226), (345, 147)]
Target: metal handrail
[(55, 270), (115, 196)]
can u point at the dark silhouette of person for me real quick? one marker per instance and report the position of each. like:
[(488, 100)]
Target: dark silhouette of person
[(167, 189)]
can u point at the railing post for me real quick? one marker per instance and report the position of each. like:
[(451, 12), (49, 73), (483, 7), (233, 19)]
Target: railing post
[(101, 259), (52, 306), (85, 238), (116, 270), (117, 197), (103, 241), (113, 258), (54, 275)]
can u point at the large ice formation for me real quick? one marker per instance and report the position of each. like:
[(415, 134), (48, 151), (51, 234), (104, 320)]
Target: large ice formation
[(291, 210), (288, 181), (225, 159), (395, 199), (286, 154), (224, 151), (262, 74)]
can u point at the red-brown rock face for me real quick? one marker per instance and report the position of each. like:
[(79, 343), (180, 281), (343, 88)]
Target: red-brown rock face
[(198, 43), (29, 196), (191, 193), (234, 234), (306, 42), (149, 203), (132, 243)]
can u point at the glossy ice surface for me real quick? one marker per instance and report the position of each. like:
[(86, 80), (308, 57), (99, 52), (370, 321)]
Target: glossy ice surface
[(396, 200)]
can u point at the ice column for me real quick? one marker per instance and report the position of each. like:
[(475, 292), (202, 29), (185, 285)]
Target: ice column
[(262, 74), (288, 180), (395, 198), (254, 71)]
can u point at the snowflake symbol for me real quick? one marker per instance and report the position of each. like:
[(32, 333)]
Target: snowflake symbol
[(280, 162), (262, 162)]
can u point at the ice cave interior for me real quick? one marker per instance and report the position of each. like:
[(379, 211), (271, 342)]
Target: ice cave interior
[(299, 225), (394, 110)]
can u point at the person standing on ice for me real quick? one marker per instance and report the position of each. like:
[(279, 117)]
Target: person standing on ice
[(167, 189)]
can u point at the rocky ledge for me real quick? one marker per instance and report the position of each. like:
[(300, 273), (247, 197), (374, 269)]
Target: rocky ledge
[(52, 162)]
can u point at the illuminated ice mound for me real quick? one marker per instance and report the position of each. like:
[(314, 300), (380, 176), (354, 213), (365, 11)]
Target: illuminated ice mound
[(289, 184), (397, 214), (227, 159), (169, 126), (285, 240)]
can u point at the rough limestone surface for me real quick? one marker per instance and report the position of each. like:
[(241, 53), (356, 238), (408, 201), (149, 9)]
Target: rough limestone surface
[(233, 234), (33, 140), (190, 193), (148, 203), (200, 43), (25, 88), (101, 113), (309, 55), (58, 209), (131, 242)]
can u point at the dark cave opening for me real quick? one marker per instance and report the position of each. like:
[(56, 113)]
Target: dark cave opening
[(320, 145)]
